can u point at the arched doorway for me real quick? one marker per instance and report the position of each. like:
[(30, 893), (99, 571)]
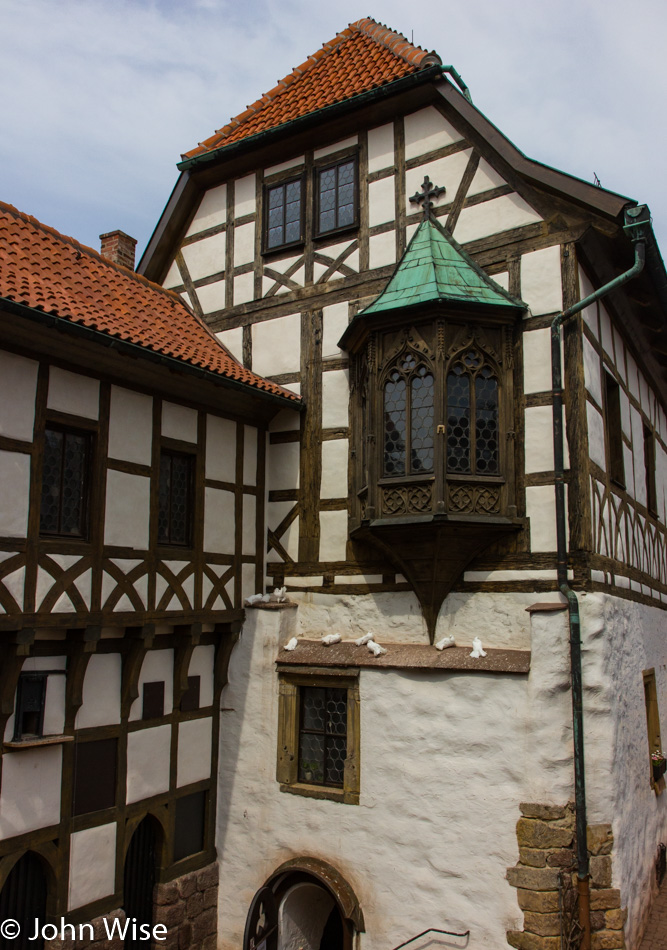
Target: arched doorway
[(139, 880), (23, 898), (308, 919)]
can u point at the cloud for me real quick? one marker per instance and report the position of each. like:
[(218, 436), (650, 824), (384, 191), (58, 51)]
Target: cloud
[(105, 97)]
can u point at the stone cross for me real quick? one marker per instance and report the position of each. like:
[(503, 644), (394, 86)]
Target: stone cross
[(429, 191)]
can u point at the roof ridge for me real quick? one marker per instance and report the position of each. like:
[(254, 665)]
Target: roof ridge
[(86, 249), (394, 42)]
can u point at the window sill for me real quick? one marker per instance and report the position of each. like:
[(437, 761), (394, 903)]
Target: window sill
[(330, 237), (283, 250), (319, 791), (37, 742)]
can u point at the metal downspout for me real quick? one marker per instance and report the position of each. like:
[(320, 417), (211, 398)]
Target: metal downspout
[(635, 218)]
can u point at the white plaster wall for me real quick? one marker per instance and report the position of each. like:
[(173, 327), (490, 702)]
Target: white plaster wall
[(334, 324), (494, 217), (194, 751), (335, 398), (244, 288), (18, 387), (333, 535), (232, 339), (486, 178), (201, 665), (92, 865), (71, 392), (127, 510), (381, 201), (283, 166), (220, 449), (249, 538), (334, 468), (130, 426), (283, 464), (336, 146), (211, 297), (638, 455), (244, 196), (433, 746), (381, 147), (148, 758), (158, 666), (426, 130), (539, 446), (101, 692), (276, 345), (30, 793), (244, 244), (276, 511), (205, 257), (54, 705), (382, 249), (249, 455), (537, 361), (541, 509), (179, 422), (606, 334), (219, 524), (592, 372), (212, 210), (596, 436), (541, 286), (15, 481), (446, 172)]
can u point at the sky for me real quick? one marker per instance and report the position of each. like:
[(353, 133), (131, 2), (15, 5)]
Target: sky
[(100, 98)]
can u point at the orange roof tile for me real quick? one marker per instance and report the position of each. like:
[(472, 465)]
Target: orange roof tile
[(47, 271), (362, 57)]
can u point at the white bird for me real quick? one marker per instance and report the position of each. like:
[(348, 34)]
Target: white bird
[(366, 637), (279, 595), (477, 650), (331, 638), (266, 598), (375, 648), (291, 644), (445, 642), (254, 599)]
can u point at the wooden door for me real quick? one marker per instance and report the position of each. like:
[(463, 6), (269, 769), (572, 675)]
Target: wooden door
[(23, 898)]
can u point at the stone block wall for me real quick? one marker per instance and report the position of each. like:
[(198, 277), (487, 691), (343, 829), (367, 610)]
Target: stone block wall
[(545, 879), (102, 926), (188, 908)]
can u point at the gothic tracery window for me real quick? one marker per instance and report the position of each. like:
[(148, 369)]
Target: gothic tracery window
[(472, 416), (408, 418)]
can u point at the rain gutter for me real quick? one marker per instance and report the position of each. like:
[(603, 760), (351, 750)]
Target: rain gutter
[(63, 325), (638, 228)]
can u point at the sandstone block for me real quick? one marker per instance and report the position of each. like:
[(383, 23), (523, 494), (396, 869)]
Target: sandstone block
[(205, 924), (601, 870), (545, 925), (533, 833), (599, 839), (172, 915), (195, 904), (541, 902), (545, 812), (210, 942), (185, 936), (207, 877), (564, 858), (607, 940), (605, 899), (597, 920), (615, 919), (187, 885), (211, 897), (527, 941), (167, 893), (533, 857), (533, 879)]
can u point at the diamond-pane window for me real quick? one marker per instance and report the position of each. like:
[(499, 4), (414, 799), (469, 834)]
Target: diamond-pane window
[(323, 736), (408, 418), (283, 223), (175, 498), (337, 197), (472, 417), (65, 482)]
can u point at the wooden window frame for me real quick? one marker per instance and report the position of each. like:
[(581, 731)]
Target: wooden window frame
[(270, 186), (289, 706), (86, 488), (652, 721), (649, 470), (613, 429), (323, 166), (166, 450), (19, 734)]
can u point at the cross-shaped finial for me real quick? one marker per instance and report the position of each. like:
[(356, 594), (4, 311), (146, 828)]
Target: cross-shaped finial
[(429, 191)]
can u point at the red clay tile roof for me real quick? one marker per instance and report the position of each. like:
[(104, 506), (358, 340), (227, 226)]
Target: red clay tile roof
[(362, 57), (46, 271)]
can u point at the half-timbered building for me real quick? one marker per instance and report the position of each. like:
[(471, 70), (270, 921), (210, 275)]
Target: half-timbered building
[(131, 529), (364, 236)]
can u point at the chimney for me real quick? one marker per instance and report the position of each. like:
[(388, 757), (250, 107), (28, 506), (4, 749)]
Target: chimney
[(118, 247)]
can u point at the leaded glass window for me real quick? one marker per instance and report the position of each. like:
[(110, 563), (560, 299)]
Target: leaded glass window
[(284, 214), (408, 418), (472, 417), (322, 736), (65, 464), (336, 197), (175, 498)]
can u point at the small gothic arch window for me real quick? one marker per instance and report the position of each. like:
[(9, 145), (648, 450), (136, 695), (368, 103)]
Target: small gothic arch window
[(473, 445), (408, 412)]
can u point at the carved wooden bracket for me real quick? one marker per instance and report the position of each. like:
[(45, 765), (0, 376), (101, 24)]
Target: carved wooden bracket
[(141, 640), (85, 644), (12, 655), (188, 636)]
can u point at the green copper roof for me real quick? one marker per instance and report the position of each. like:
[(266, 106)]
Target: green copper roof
[(434, 267)]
